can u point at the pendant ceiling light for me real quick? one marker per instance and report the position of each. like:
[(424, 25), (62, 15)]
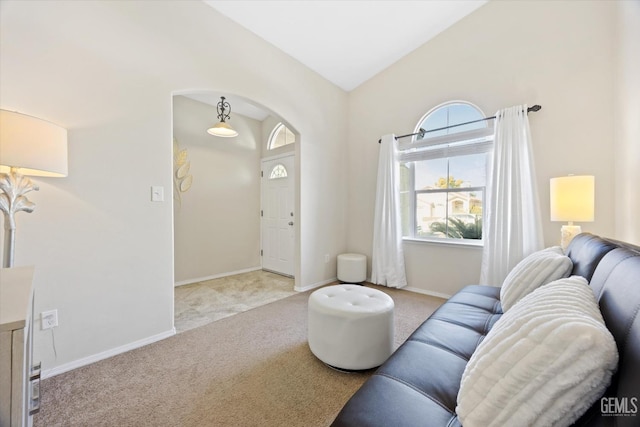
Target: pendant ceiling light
[(222, 128)]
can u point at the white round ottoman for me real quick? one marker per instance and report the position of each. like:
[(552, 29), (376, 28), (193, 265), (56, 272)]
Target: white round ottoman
[(352, 268), (350, 326)]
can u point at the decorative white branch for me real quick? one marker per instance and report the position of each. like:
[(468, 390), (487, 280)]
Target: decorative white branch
[(13, 187)]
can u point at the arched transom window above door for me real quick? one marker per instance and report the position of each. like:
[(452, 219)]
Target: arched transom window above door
[(281, 136)]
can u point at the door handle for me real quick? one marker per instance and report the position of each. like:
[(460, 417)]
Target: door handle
[(290, 222)]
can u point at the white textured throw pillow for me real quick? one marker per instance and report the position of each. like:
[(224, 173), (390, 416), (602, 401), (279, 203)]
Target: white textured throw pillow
[(536, 270), (544, 363)]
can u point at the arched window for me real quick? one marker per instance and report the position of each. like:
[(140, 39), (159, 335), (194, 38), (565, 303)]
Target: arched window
[(278, 171), (281, 136), (450, 114), (443, 174)]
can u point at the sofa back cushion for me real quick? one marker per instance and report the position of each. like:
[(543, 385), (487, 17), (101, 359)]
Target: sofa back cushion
[(586, 251), (616, 285)]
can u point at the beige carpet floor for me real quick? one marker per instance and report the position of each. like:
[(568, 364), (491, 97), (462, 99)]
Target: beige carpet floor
[(204, 302), (250, 369)]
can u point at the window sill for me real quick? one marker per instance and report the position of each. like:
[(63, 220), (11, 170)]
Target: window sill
[(450, 242)]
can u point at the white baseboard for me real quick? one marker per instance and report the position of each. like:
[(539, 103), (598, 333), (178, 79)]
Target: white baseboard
[(106, 354), (420, 291), (426, 292), (314, 285), (216, 276)]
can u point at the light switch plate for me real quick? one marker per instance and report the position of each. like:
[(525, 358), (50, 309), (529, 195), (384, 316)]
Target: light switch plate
[(157, 193)]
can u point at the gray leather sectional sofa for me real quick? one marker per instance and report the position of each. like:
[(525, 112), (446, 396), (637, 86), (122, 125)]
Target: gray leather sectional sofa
[(418, 385)]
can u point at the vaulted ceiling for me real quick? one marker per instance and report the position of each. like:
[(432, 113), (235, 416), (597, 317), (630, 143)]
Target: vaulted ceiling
[(347, 42)]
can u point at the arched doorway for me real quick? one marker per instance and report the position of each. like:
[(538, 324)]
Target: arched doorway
[(217, 191)]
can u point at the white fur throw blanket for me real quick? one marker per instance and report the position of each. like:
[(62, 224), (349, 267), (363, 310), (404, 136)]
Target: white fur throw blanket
[(536, 270), (544, 363)]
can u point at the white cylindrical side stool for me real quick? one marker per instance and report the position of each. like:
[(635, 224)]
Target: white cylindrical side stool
[(350, 326), (352, 268)]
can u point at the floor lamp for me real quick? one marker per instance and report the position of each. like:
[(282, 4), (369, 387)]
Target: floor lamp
[(28, 147), (572, 199)]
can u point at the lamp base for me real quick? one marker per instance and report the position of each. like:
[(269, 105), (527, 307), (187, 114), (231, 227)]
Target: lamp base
[(567, 233)]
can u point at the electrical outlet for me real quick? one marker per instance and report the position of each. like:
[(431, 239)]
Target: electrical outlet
[(49, 319), (326, 258)]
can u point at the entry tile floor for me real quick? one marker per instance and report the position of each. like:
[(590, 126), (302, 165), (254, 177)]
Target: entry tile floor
[(203, 302)]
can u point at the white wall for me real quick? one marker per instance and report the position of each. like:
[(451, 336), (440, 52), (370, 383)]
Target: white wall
[(556, 54), (216, 222), (627, 122), (106, 71)]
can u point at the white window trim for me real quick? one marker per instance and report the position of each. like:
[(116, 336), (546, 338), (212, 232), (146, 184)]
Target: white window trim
[(474, 141), (467, 137), (453, 242), (273, 134)]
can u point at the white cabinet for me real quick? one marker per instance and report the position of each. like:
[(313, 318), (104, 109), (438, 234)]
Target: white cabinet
[(19, 379)]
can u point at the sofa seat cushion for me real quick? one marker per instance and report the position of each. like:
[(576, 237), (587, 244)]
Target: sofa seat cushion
[(384, 401), (420, 380)]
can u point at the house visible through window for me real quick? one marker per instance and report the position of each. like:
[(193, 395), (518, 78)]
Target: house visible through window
[(443, 175), (281, 136)]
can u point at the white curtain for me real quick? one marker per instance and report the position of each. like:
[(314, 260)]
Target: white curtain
[(387, 260), (513, 228)]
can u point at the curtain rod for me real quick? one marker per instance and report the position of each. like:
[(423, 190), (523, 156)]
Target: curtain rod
[(422, 131)]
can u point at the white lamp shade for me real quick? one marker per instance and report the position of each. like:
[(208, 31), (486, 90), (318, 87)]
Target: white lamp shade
[(222, 129), (35, 146), (572, 198)]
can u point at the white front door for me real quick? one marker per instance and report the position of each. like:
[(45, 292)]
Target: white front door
[(278, 220)]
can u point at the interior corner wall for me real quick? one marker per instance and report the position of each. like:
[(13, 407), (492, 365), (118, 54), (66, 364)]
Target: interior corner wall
[(627, 122), (216, 222), (556, 54), (106, 71)]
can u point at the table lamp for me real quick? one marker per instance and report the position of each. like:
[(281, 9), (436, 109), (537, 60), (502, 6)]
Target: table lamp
[(28, 147), (572, 199)]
